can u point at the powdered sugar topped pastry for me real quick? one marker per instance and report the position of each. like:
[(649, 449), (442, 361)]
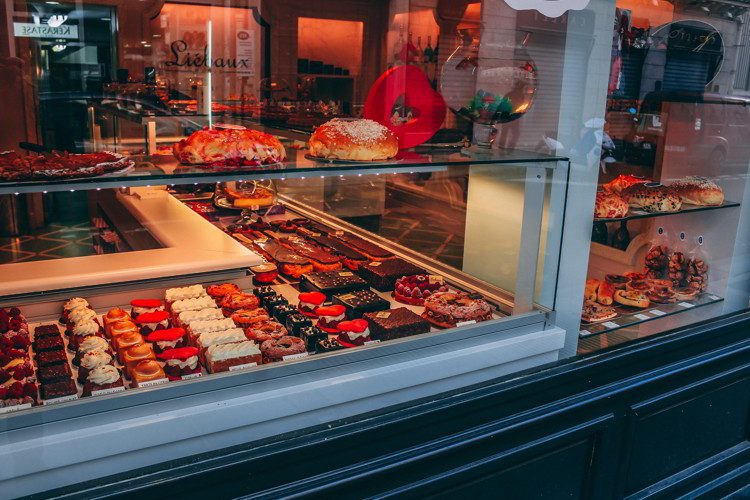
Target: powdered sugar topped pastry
[(353, 139)]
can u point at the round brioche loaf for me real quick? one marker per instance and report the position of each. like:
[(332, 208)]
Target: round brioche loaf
[(355, 139)]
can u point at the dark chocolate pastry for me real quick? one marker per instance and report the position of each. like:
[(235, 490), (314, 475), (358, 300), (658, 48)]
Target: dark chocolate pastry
[(332, 282), (49, 344), (296, 322), (311, 335), (42, 331), (383, 274), (58, 389), (306, 249), (282, 311), (395, 324), (273, 250), (372, 250), (53, 373), (274, 301), (48, 358), (361, 301), (328, 345), (334, 245), (263, 293)]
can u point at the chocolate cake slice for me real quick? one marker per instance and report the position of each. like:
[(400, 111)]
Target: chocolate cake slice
[(306, 249), (332, 282), (54, 373), (58, 389), (361, 301), (51, 358), (336, 246), (382, 275), (371, 250), (49, 344), (395, 324), (42, 331)]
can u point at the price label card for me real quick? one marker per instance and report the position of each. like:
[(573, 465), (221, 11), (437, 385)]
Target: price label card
[(375, 264), (657, 312), (434, 279), (242, 367), (346, 296), (584, 333), (383, 315), (611, 324), (642, 317), (111, 390), (464, 323), (372, 342), (713, 297), (63, 399), (261, 240), (191, 375), (296, 356), (346, 273), (150, 383), (686, 305), (14, 408)]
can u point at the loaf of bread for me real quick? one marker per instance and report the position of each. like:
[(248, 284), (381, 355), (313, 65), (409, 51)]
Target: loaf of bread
[(353, 139)]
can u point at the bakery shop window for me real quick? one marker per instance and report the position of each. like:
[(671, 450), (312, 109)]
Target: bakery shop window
[(673, 174)]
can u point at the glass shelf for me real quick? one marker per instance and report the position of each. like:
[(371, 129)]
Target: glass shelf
[(159, 170), (630, 317), (634, 214)]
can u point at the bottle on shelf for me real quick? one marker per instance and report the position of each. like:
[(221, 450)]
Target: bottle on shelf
[(398, 47), (599, 233), (419, 53), (411, 50), (621, 238), (434, 64), (427, 58)]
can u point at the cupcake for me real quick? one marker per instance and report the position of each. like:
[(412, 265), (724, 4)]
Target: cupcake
[(90, 344), (82, 330), (90, 361), (102, 378)]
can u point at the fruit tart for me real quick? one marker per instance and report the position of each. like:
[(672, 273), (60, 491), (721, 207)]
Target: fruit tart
[(414, 289)]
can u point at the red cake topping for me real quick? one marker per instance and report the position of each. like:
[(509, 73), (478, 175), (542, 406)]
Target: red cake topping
[(334, 310), (355, 325), (152, 317), (148, 303), (316, 298), (182, 353), (167, 335)]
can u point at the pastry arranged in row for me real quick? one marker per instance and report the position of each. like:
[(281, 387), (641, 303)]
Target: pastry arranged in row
[(17, 382)]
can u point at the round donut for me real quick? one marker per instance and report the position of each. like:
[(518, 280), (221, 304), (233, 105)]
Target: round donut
[(247, 317), (260, 332), (218, 292), (353, 139), (239, 300), (445, 309), (276, 349)]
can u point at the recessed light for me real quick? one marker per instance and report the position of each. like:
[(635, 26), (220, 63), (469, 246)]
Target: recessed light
[(52, 3)]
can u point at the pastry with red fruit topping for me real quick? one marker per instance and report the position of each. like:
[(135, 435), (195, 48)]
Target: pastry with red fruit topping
[(170, 338), (180, 362), (142, 306), (329, 317), (353, 333), (309, 302), (414, 289), (153, 321)]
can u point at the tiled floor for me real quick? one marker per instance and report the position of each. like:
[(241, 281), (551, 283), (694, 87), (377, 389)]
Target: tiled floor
[(54, 241)]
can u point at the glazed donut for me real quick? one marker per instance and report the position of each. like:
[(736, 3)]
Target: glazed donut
[(218, 292), (445, 309), (265, 331), (276, 349), (247, 317), (239, 300)]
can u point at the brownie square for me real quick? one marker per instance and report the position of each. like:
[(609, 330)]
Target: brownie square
[(361, 301), (311, 335), (395, 324), (382, 275), (331, 283), (282, 311), (328, 345), (48, 358), (58, 389), (42, 331), (53, 373), (296, 322), (49, 344), (270, 302)]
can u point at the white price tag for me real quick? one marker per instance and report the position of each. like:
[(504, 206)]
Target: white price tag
[(642, 317), (585, 333), (464, 323), (686, 305), (657, 312), (150, 383), (14, 408), (111, 390), (713, 297), (242, 367), (63, 399), (372, 342), (434, 279), (375, 264), (191, 375), (346, 273), (296, 356), (611, 324)]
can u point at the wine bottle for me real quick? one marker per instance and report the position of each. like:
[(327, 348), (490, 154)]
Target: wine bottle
[(621, 239)]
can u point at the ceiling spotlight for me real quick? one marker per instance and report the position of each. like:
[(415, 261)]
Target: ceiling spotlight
[(58, 47)]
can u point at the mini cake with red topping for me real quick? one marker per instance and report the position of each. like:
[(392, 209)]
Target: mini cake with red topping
[(309, 302), (329, 317), (171, 338), (265, 273), (353, 333), (414, 289), (143, 306), (180, 362), (153, 321)]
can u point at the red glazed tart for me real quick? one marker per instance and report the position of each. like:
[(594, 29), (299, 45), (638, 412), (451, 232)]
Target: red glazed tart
[(180, 362), (170, 338), (150, 322), (142, 306), (353, 333), (309, 302), (329, 317), (414, 289), (264, 273)]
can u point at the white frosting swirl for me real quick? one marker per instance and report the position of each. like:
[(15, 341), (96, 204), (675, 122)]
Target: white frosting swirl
[(167, 344), (92, 343), (193, 304), (356, 335), (191, 362), (340, 317), (187, 292), (85, 328), (231, 351), (143, 310), (80, 314), (93, 359), (188, 317), (212, 325), (74, 303), (103, 375), (224, 337)]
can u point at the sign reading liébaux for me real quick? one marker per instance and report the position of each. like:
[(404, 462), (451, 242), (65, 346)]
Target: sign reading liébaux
[(31, 30)]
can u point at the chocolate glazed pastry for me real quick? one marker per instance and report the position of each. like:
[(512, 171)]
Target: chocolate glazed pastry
[(320, 259), (352, 258), (371, 250), (289, 262)]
